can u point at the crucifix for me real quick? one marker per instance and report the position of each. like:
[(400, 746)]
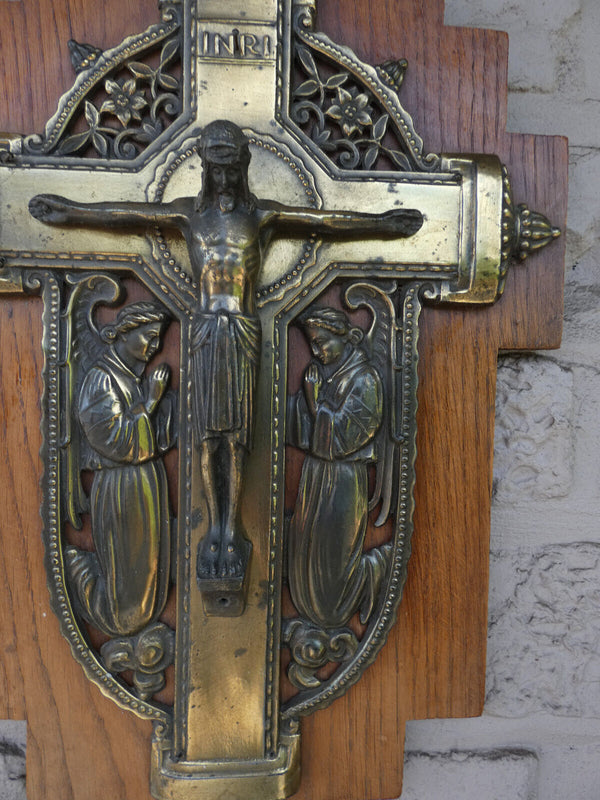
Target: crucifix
[(226, 231), (266, 194)]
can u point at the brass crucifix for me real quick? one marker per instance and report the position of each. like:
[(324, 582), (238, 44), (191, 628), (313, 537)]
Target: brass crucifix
[(226, 230), (255, 182)]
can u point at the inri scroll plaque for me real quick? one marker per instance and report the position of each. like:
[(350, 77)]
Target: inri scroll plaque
[(235, 182)]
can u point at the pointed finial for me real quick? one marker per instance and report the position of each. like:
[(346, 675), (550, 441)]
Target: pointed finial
[(523, 231), (82, 55), (392, 72), (534, 231)]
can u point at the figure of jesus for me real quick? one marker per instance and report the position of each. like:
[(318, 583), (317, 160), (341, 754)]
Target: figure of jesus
[(227, 231)]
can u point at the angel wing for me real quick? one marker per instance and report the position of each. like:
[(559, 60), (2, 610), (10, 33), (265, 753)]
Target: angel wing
[(380, 344), (82, 348)]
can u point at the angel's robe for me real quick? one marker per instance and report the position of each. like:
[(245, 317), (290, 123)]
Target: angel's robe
[(329, 575), (123, 585)]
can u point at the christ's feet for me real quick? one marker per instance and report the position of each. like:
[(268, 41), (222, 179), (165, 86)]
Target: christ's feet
[(222, 568), (222, 555), (209, 552), (233, 551)]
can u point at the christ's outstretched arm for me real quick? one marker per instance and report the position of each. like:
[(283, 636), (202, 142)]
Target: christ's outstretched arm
[(55, 210), (398, 222)]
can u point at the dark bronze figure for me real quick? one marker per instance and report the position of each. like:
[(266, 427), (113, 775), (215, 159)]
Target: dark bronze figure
[(120, 422), (126, 420), (336, 418), (227, 231)]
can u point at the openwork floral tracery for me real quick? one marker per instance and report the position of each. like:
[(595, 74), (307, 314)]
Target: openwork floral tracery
[(123, 111), (348, 121)]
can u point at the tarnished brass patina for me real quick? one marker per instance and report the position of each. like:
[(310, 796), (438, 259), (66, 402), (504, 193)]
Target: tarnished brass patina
[(226, 230), (254, 182), (118, 424)]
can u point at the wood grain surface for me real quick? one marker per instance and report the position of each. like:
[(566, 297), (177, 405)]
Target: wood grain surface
[(81, 746)]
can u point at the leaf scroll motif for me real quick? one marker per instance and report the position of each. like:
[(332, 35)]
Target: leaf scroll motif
[(139, 101), (95, 136), (343, 117)]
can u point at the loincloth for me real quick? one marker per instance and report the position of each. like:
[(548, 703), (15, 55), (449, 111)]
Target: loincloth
[(225, 354)]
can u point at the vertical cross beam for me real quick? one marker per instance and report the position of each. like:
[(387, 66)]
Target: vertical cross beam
[(222, 712)]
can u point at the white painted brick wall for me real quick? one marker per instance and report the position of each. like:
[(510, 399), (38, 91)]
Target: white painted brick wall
[(487, 775), (12, 760), (540, 735), (544, 640), (533, 456)]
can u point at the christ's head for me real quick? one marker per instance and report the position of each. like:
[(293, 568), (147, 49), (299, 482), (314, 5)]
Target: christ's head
[(225, 156)]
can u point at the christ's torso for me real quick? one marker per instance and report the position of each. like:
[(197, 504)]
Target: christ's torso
[(225, 254)]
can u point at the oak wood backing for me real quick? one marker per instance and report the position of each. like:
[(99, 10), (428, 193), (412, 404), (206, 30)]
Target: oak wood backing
[(81, 746)]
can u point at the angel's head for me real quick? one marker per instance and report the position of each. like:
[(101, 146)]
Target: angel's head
[(137, 331), (330, 333)]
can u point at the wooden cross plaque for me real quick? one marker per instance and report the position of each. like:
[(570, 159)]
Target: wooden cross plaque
[(278, 249)]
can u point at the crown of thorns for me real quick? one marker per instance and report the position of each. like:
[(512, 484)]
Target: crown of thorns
[(222, 142)]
